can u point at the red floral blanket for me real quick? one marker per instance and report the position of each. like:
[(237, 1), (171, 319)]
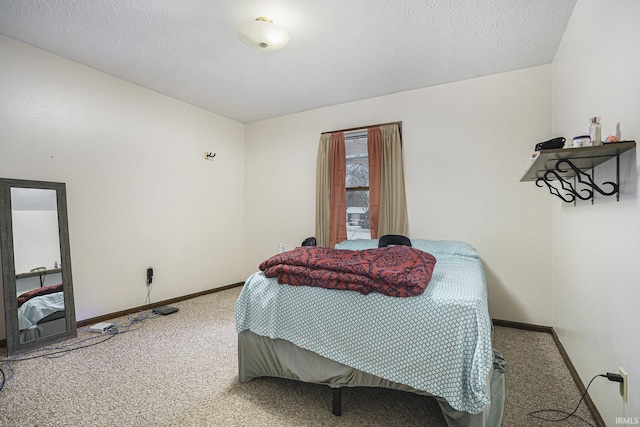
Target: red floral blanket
[(398, 271)]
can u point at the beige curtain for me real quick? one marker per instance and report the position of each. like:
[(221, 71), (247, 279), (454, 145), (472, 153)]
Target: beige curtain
[(323, 191), (393, 217)]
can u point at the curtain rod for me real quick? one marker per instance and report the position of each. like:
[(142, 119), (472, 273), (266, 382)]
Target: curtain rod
[(366, 127)]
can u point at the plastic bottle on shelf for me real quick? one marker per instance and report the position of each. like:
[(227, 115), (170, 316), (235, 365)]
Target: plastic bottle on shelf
[(595, 131), (280, 248)]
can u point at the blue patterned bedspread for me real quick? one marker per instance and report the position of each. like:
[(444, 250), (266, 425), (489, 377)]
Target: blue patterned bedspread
[(36, 309), (439, 342)]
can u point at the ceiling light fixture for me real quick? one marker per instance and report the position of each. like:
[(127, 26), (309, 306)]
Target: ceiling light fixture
[(263, 35)]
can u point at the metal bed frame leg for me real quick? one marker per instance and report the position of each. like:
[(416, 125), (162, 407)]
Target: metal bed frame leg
[(337, 401)]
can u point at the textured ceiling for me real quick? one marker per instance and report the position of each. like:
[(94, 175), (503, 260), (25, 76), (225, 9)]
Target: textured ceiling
[(340, 50)]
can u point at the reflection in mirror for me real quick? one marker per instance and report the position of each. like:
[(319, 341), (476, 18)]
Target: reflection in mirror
[(36, 250), (36, 264)]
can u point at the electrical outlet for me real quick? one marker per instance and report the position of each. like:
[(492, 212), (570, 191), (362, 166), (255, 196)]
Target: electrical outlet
[(624, 386)]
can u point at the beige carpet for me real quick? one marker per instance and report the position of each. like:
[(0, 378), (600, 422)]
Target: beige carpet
[(181, 370)]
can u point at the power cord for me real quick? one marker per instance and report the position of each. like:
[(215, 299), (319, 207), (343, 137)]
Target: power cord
[(62, 350), (138, 319), (49, 353), (534, 414), (148, 298)]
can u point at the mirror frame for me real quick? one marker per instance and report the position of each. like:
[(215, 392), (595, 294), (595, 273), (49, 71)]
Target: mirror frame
[(14, 346)]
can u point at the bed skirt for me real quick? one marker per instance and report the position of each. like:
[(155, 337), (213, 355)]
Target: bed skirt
[(260, 356)]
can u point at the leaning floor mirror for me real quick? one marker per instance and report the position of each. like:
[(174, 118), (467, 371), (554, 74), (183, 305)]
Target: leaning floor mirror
[(36, 264)]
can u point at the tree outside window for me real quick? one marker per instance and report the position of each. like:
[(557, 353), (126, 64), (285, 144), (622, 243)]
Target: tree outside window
[(357, 177)]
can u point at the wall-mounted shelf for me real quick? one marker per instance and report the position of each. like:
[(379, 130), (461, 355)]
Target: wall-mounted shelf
[(555, 168), (39, 273)]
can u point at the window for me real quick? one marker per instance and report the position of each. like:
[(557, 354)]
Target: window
[(357, 185), (360, 184)]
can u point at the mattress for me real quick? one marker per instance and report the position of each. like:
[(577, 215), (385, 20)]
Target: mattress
[(37, 308), (438, 342)]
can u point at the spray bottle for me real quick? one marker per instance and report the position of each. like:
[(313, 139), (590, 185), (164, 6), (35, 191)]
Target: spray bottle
[(595, 131)]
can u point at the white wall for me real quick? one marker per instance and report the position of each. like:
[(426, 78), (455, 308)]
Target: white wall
[(35, 239), (596, 292), (465, 148), (139, 191)]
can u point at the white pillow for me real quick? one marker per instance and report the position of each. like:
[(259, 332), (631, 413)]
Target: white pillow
[(445, 247), (357, 244), (434, 247)]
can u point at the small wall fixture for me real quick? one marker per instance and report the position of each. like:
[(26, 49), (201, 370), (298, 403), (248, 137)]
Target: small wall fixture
[(208, 155), (263, 34)]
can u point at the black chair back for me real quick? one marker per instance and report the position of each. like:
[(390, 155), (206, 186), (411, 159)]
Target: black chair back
[(393, 239), (309, 241)]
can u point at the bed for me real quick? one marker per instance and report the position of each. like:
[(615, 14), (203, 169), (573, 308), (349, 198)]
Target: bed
[(437, 343), (41, 306)]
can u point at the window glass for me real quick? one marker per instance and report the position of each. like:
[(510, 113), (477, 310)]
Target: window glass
[(357, 173), (357, 159)]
